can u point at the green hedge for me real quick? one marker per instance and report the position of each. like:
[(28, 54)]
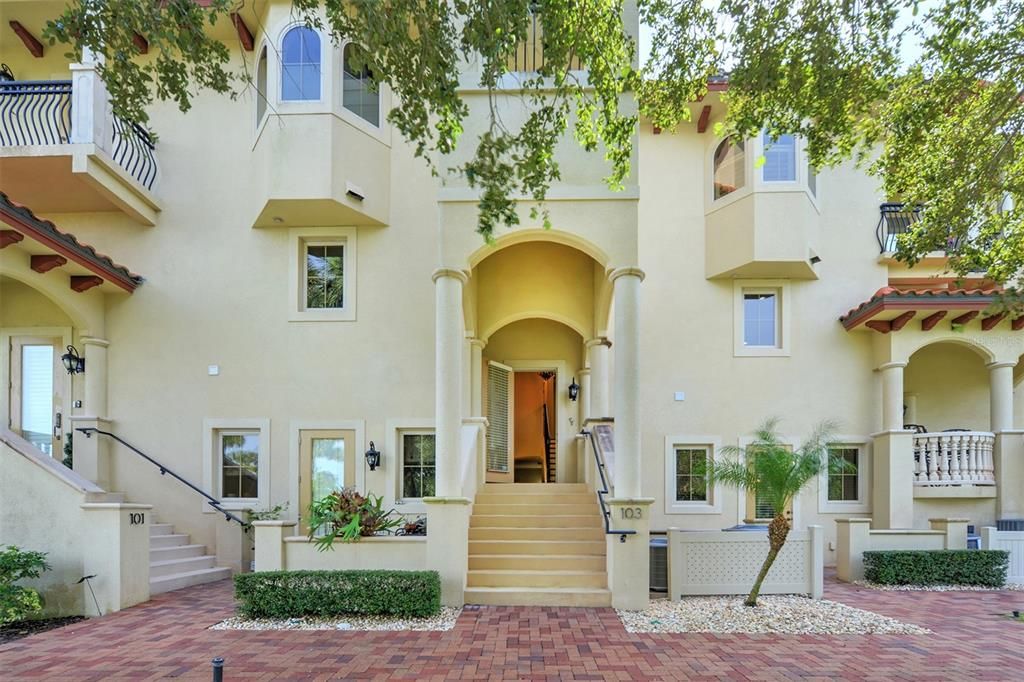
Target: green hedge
[(292, 594), (937, 567)]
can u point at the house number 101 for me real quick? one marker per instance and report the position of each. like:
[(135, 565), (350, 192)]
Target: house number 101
[(632, 512), (136, 519)]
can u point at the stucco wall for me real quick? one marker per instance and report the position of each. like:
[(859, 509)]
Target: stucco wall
[(23, 306), (950, 386)]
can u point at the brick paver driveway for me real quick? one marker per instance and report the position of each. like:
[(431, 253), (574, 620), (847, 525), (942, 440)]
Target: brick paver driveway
[(167, 637)]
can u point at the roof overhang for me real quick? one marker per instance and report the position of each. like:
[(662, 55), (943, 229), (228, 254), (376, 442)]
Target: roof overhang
[(890, 310)]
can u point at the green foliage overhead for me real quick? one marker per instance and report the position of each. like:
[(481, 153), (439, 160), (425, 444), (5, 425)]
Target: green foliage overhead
[(987, 568), (17, 601), (294, 594), (941, 127)]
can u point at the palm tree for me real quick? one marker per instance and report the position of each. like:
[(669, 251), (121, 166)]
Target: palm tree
[(776, 473)]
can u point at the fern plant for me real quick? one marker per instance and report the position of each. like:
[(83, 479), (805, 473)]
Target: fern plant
[(777, 474), (349, 515)]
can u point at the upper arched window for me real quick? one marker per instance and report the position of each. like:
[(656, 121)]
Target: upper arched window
[(300, 64), (358, 93), (730, 167), (779, 158)]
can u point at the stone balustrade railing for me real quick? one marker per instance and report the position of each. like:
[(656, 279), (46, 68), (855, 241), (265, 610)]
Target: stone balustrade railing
[(954, 458)]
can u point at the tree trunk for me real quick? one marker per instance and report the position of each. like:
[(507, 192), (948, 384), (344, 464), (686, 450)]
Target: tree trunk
[(778, 529)]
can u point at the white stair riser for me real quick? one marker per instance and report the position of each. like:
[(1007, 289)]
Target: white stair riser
[(537, 499), (538, 562), (590, 534), (541, 548), (526, 488), (482, 595), (528, 579), (160, 529), (179, 552), (182, 580), (538, 521), (197, 563), (553, 509), (175, 540)]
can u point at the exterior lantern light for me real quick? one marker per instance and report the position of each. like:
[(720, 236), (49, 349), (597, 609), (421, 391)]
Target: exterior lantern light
[(373, 457), (73, 362), (574, 390)]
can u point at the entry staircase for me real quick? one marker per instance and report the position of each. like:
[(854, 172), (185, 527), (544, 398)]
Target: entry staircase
[(175, 563), (537, 544)]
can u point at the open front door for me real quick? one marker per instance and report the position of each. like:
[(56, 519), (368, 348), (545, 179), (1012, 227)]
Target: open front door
[(500, 405), (35, 398)]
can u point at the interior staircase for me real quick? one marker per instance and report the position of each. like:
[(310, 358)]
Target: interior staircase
[(537, 544), (175, 563)]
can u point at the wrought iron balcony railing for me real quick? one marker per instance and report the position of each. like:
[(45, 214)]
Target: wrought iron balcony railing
[(898, 218), (134, 151)]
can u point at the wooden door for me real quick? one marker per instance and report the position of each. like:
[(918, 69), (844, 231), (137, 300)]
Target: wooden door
[(36, 392), (327, 462), (500, 422)]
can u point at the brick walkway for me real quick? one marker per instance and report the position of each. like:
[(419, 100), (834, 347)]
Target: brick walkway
[(167, 637)]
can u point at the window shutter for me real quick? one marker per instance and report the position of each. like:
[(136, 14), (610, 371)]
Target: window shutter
[(499, 416)]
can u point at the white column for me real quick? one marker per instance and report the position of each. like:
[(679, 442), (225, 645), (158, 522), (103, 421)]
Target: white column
[(91, 121), (584, 397), (892, 395), (95, 352), (449, 340), (476, 379), (597, 352), (1000, 384), (626, 282)]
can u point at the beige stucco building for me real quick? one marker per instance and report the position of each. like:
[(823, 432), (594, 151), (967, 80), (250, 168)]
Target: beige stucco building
[(305, 288)]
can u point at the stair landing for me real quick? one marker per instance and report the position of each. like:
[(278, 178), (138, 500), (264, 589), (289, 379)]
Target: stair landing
[(176, 563), (537, 544)]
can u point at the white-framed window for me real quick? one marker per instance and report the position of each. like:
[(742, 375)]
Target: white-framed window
[(845, 490), (687, 458), (755, 507), (729, 168), (261, 86), (322, 275), (761, 317), (300, 65), (236, 456), (358, 92), (418, 464), (780, 158)]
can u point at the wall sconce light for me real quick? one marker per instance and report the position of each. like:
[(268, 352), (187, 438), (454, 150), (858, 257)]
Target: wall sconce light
[(73, 362), (574, 390), (372, 457)]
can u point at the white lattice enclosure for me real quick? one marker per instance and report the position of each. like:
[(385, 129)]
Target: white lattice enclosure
[(727, 562), (1011, 541)]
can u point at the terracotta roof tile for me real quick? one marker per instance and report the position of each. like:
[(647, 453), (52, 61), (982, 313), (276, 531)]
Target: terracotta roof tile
[(904, 294)]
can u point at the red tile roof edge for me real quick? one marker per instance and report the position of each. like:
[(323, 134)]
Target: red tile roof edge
[(888, 292)]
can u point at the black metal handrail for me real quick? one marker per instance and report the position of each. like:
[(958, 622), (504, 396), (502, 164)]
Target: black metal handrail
[(35, 113), (529, 53), (603, 490), (898, 218), (212, 501), (134, 151)]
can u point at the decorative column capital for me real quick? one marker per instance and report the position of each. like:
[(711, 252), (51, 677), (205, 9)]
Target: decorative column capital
[(1000, 364), (585, 372), (626, 272), (475, 342), (891, 365), (94, 341), (454, 273), (598, 341)]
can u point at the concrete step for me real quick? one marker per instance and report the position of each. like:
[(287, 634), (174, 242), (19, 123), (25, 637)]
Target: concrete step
[(160, 529), (169, 540), (537, 499), (545, 596), (537, 547), (159, 569), (555, 507), (535, 521), (176, 552), (525, 488), (593, 533), (178, 581), (534, 579), (538, 562)]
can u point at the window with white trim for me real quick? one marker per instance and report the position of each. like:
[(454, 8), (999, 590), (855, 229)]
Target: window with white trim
[(358, 92), (762, 313), (691, 479), (687, 460), (300, 64), (261, 86), (322, 274), (730, 170), (236, 462), (843, 477), (324, 281), (780, 155), (761, 318), (418, 458), (239, 464), (845, 489)]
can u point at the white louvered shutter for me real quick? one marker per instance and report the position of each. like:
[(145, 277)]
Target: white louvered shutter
[(500, 386)]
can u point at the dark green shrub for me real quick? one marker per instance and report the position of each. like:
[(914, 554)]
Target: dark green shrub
[(18, 602), (292, 594), (986, 568)]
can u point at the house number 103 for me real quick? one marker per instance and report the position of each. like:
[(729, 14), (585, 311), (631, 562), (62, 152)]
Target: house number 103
[(632, 512)]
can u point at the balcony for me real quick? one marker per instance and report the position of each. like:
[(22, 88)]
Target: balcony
[(898, 218), (63, 151), (762, 234), (954, 464)]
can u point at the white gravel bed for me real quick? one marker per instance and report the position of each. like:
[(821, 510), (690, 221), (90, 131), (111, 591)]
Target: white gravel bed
[(774, 614), (442, 621), (1013, 587)]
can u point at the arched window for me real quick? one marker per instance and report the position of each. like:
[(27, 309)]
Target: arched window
[(357, 93), (261, 85), (300, 64), (779, 158), (730, 167)]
